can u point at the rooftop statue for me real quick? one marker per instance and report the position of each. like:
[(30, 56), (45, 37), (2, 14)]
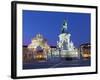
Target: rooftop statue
[(37, 42)]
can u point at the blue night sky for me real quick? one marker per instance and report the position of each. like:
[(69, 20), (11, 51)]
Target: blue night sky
[(49, 24)]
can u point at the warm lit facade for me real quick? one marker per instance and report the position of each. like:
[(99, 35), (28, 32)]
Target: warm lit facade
[(39, 47), (85, 50)]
